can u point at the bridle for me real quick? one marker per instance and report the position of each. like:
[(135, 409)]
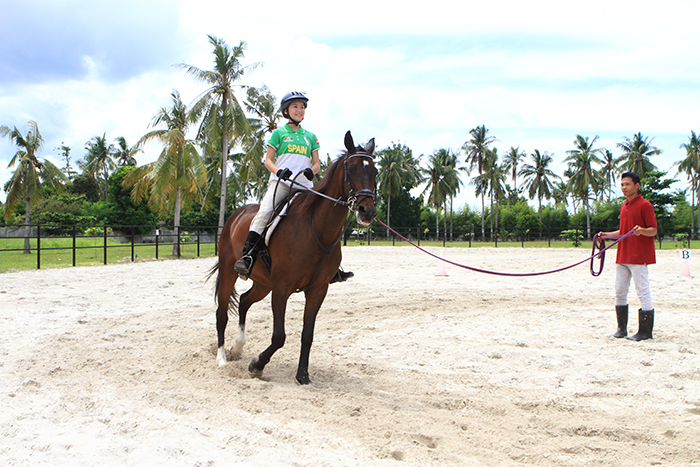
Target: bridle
[(356, 197)]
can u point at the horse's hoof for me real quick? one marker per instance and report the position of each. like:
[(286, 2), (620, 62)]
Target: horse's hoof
[(221, 357), (303, 378), (254, 372)]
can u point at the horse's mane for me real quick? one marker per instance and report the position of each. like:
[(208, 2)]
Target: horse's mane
[(307, 199)]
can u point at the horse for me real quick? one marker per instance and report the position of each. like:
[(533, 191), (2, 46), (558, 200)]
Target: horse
[(304, 250)]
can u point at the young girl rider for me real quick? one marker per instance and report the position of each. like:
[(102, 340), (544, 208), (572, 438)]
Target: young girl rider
[(291, 150)]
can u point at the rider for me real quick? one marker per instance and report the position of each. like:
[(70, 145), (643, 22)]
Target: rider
[(291, 150)]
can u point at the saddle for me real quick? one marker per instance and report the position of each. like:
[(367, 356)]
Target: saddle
[(277, 215)]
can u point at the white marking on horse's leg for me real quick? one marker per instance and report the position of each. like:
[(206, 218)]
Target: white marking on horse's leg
[(221, 356), (237, 348)]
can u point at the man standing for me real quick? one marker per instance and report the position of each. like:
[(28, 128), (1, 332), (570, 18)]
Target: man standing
[(633, 255)]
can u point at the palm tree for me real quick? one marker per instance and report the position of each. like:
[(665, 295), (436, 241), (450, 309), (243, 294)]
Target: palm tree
[(452, 180), (123, 154), (31, 175), (691, 166), (397, 172), (99, 161), (607, 171), (179, 174), (539, 178), (636, 153), (436, 188), (511, 162), (476, 150), (261, 103), (223, 119), (585, 179), (495, 177)]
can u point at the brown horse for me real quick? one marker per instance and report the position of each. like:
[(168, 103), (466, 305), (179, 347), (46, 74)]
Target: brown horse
[(305, 253)]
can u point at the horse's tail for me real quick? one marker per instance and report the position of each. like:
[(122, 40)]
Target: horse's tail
[(233, 299)]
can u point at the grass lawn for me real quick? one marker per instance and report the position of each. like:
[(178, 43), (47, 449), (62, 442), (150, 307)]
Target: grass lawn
[(90, 251)]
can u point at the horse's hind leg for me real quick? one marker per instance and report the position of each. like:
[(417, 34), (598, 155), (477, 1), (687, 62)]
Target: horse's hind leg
[(255, 294), (225, 294)]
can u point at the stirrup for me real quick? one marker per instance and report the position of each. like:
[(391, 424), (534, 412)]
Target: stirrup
[(342, 276), (243, 267)]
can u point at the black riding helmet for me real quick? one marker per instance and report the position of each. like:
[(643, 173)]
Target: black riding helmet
[(288, 99)]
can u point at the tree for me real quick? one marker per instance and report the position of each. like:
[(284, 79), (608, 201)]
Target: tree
[(539, 178), (223, 119), (511, 163), (585, 178), (99, 161), (636, 154), (397, 172), (178, 174), (251, 176), (123, 154), (436, 188), (31, 176), (654, 188), (607, 171), (495, 178), (64, 152), (691, 167), (476, 150)]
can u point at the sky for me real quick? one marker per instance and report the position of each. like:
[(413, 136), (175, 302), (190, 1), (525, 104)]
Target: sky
[(423, 74)]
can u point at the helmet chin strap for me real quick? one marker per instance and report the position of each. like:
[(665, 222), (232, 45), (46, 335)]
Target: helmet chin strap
[(289, 117)]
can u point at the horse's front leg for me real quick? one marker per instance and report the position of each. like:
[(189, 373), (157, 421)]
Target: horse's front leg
[(279, 307), (314, 300)]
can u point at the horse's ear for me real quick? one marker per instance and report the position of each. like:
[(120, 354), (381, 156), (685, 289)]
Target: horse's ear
[(349, 143), (369, 147)]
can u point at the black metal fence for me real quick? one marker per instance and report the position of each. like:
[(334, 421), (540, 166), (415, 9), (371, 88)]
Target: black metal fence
[(109, 236)]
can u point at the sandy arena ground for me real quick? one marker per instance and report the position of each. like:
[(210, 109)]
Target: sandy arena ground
[(115, 366)]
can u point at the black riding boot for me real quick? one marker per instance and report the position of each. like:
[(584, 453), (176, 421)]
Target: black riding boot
[(622, 313), (646, 324), (342, 276), (250, 252)]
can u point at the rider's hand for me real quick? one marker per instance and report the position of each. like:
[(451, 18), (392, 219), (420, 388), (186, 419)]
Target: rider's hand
[(284, 174), (308, 173)]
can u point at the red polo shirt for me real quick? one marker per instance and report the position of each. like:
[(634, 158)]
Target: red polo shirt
[(636, 249)]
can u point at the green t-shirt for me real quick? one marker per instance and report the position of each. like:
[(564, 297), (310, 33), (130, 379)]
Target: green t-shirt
[(293, 150)]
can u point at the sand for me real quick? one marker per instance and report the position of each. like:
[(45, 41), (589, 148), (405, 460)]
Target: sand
[(115, 365)]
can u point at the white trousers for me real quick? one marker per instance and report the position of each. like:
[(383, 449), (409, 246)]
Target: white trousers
[(639, 272), (268, 203)]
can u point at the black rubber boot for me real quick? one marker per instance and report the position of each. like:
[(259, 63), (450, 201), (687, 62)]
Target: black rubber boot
[(646, 324), (622, 313), (250, 253), (342, 276)]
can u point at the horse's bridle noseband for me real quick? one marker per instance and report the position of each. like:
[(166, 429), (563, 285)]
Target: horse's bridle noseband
[(356, 197)]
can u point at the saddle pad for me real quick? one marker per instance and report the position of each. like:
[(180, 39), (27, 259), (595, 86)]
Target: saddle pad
[(277, 220)]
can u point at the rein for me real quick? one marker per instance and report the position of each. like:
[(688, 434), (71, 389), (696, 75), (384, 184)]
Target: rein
[(598, 244), (353, 196)]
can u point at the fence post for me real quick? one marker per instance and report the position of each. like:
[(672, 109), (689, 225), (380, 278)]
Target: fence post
[(132, 243), (418, 234), (38, 245), (216, 242), (177, 232), (104, 233), (157, 237), (74, 246), (197, 242)]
